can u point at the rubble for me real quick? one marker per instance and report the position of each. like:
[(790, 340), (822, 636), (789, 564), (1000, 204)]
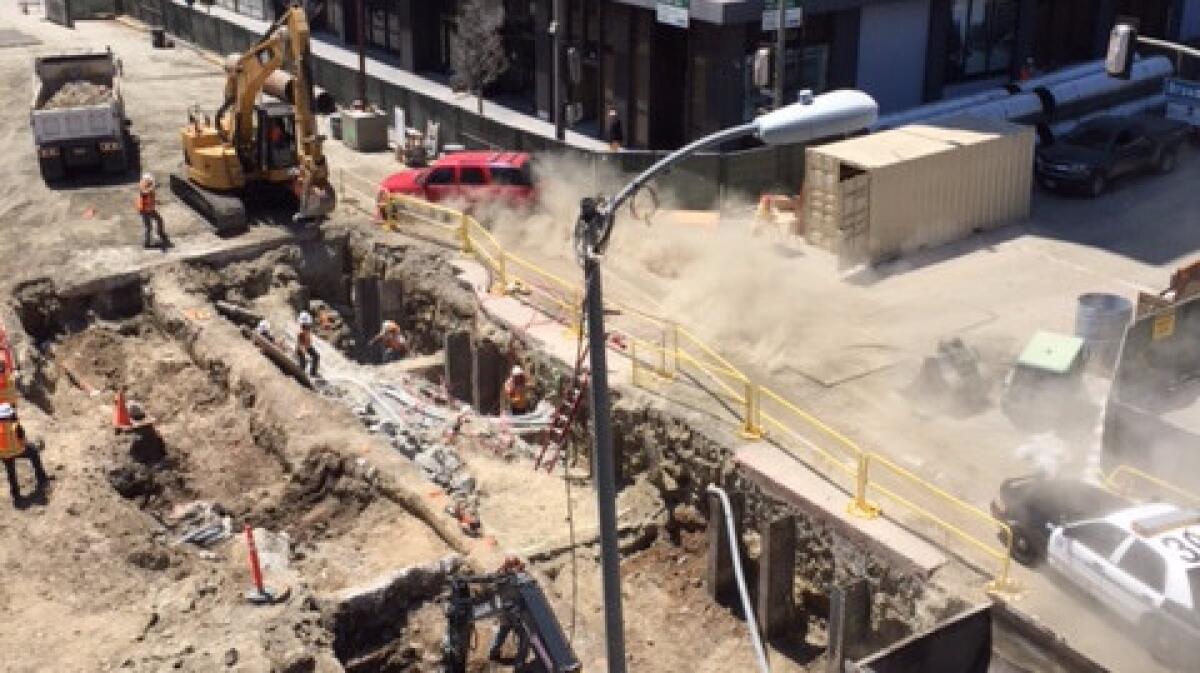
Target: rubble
[(78, 93)]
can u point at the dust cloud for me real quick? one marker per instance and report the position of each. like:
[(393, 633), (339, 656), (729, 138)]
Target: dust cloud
[(712, 274)]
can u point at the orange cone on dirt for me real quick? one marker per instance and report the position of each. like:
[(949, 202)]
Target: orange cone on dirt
[(121, 420)]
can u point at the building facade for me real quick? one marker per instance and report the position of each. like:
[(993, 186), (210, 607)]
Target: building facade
[(671, 84)]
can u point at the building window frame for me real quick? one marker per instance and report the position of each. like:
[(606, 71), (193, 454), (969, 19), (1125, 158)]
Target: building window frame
[(981, 39)]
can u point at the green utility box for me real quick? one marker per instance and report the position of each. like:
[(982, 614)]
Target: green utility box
[(1047, 378), (365, 131)]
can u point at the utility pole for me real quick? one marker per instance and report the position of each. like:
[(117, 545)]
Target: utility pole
[(780, 48), (557, 25), (362, 52)]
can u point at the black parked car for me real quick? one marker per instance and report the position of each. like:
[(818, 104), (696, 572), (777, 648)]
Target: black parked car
[(1032, 505), (1102, 148)]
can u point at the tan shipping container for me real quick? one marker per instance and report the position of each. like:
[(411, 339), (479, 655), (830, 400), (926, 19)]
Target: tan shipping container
[(880, 196)]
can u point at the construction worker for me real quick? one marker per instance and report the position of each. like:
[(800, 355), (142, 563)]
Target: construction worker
[(306, 350), (147, 207), (8, 387), (390, 338), (516, 392), (14, 446)]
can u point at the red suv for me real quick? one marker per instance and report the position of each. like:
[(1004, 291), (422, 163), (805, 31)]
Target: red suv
[(472, 177)]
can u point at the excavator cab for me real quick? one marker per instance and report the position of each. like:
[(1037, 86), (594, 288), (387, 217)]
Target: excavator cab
[(276, 139)]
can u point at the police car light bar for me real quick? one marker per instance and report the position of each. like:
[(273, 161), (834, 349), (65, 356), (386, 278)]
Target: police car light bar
[(1153, 526)]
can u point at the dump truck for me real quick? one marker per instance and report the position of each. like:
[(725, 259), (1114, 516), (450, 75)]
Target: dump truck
[(78, 114)]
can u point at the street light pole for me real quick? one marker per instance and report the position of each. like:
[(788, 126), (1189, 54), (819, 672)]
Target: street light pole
[(780, 48), (557, 21), (827, 115), (362, 52)]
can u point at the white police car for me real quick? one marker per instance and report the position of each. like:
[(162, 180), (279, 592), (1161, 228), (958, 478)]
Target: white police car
[(1143, 563)]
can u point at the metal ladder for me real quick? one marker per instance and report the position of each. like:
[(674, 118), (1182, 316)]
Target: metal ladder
[(556, 434)]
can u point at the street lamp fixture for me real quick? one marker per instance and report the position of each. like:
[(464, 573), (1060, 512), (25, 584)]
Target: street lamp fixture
[(832, 114)]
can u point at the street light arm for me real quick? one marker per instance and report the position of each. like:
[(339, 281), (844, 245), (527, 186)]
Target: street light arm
[(610, 209), (1174, 46)]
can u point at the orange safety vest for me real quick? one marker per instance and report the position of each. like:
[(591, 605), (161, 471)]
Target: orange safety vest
[(8, 388), (10, 445), (518, 395), (145, 201)]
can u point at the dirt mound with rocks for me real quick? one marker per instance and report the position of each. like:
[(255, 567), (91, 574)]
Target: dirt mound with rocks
[(77, 94)]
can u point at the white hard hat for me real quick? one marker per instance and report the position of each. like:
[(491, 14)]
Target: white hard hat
[(517, 371), (305, 318), (148, 179), (263, 327), (7, 412)]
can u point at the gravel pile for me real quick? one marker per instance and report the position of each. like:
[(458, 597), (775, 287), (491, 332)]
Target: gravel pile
[(77, 93)]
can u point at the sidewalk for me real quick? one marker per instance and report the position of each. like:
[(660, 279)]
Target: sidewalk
[(348, 58)]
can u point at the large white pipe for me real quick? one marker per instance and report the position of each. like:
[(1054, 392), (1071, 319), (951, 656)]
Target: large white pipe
[(1065, 86)]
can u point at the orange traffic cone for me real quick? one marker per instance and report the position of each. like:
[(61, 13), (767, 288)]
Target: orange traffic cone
[(121, 420)]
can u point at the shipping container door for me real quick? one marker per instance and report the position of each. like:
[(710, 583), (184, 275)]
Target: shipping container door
[(854, 217)]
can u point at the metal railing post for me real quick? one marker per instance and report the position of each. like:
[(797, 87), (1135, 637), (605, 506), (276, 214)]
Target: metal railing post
[(662, 356), (500, 285), (751, 428), (633, 362), (464, 232), (1004, 584), (675, 347), (575, 316), (861, 506)]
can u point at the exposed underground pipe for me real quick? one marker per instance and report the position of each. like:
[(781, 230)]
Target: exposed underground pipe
[(741, 580)]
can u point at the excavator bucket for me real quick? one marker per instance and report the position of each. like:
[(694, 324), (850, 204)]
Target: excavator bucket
[(317, 199)]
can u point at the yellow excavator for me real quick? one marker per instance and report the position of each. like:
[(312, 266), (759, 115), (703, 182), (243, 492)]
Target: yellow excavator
[(256, 150)]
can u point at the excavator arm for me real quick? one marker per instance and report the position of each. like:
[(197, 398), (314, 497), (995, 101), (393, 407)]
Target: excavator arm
[(314, 190), (245, 77)]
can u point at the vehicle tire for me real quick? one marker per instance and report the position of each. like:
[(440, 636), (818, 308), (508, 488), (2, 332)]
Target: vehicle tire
[(1097, 185), (1167, 159), (1024, 549)]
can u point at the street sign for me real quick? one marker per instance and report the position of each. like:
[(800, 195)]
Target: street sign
[(794, 15), (1183, 100), (673, 12)]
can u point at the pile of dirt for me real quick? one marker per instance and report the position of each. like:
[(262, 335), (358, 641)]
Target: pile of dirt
[(78, 93)]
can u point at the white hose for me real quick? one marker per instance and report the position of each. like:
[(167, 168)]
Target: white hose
[(741, 580)]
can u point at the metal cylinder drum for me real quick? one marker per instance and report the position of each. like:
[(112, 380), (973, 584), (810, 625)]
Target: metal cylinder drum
[(282, 85), (1100, 320)]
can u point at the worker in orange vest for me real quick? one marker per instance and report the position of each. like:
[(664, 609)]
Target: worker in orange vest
[(516, 392), (8, 387), (306, 351), (14, 446), (392, 340), (147, 207)]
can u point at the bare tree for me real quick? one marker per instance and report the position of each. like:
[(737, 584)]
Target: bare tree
[(477, 48)]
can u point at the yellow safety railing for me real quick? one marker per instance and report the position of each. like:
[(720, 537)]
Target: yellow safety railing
[(1126, 480), (661, 350)]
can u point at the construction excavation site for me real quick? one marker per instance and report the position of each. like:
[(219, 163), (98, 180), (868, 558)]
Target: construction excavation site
[(214, 504)]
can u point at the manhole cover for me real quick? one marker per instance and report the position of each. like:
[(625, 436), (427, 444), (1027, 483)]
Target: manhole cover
[(15, 38)]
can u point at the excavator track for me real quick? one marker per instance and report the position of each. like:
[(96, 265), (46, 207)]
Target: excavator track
[(226, 213)]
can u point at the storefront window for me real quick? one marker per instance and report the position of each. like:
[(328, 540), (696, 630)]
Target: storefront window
[(378, 27), (980, 40), (336, 14)]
